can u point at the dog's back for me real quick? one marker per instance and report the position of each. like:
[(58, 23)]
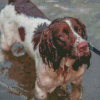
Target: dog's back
[(18, 21), (27, 7)]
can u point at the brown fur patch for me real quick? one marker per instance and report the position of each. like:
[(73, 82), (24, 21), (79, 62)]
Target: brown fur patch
[(28, 8), (36, 40), (38, 32), (22, 33)]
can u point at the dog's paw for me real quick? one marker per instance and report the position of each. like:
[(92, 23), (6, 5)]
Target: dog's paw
[(40, 95)]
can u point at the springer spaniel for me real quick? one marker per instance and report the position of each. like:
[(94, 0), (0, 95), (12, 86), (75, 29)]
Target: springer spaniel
[(59, 48)]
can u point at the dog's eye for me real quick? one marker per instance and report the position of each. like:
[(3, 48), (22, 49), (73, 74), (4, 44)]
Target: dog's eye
[(63, 35), (79, 30)]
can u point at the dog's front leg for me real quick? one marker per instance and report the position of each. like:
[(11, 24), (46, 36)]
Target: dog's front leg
[(76, 91), (9, 35), (39, 93)]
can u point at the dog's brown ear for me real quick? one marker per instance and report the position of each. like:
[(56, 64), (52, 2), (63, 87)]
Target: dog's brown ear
[(45, 46), (47, 50)]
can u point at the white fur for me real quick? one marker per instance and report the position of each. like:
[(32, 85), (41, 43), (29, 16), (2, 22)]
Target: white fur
[(10, 21), (47, 80)]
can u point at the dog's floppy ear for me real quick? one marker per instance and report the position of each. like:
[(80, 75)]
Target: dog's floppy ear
[(48, 51)]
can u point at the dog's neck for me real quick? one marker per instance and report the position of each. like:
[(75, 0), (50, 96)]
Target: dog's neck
[(69, 62), (65, 62), (64, 68)]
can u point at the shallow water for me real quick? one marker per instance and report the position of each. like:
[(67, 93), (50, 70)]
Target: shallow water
[(17, 74)]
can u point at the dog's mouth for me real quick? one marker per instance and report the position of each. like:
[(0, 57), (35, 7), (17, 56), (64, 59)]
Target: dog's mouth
[(81, 54), (76, 54), (78, 50), (77, 61)]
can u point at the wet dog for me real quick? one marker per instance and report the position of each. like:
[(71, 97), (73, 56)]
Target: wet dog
[(59, 48)]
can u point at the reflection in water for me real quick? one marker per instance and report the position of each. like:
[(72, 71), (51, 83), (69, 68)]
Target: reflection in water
[(22, 70)]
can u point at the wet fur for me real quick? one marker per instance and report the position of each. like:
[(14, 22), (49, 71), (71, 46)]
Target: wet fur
[(56, 58)]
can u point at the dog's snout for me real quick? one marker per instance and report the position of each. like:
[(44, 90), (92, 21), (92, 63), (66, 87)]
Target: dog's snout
[(82, 46)]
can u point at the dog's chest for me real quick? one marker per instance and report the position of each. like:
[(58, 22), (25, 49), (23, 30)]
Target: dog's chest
[(61, 77)]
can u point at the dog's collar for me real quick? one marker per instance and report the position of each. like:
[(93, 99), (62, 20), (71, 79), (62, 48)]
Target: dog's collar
[(92, 48)]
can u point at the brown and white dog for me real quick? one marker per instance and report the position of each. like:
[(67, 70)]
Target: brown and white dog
[(59, 48)]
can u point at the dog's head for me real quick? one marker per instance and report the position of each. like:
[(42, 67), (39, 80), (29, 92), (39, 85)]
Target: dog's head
[(64, 37)]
